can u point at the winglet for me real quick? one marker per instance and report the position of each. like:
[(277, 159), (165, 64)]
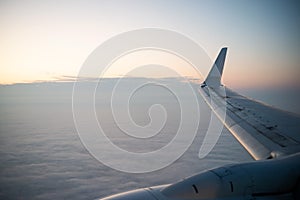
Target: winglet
[(213, 78)]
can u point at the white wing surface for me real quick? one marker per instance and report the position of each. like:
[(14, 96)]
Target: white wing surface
[(265, 132)]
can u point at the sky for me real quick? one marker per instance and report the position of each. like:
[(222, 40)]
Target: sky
[(47, 40)]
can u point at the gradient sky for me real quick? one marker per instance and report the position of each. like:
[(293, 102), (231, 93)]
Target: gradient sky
[(44, 40)]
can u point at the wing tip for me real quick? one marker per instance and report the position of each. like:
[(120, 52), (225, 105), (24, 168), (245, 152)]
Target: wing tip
[(213, 78)]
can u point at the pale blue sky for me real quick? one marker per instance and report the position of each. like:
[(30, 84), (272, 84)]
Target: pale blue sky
[(41, 40)]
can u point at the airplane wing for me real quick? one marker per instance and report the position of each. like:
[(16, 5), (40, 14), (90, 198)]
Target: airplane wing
[(265, 132)]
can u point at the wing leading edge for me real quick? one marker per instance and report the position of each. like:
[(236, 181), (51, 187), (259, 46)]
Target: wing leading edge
[(265, 132)]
